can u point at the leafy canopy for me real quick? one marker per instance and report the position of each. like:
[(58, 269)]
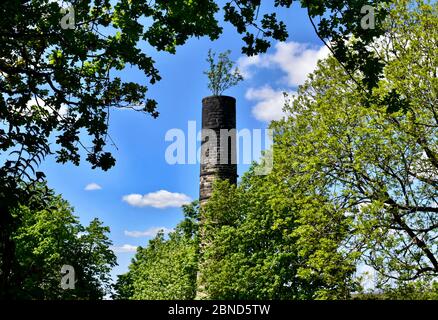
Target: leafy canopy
[(62, 83), (221, 76), (352, 183), (251, 250), (370, 169), (166, 268), (51, 237), (66, 80)]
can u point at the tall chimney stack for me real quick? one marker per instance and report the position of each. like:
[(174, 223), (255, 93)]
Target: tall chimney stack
[(218, 158), (218, 146)]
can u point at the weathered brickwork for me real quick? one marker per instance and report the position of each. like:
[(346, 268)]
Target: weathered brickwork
[(218, 159), (218, 150)]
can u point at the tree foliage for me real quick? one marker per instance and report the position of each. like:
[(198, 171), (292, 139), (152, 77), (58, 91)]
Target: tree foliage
[(166, 268), (354, 182), (221, 76), (371, 168), (55, 79), (362, 134), (252, 251), (403, 290), (52, 237), (60, 82), (335, 22)]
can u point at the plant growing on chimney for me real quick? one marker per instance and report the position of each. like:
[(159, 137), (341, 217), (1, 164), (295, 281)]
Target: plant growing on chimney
[(221, 75)]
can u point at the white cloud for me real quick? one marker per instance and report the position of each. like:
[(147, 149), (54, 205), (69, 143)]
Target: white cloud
[(298, 60), (35, 102), (41, 104), (159, 199), (126, 248), (295, 59), (92, 186), (269, 104), (151, 232), (246, 63)]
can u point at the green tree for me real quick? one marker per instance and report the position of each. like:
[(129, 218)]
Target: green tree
[(252, 249), (52, 237), (46, 68), (370, 168), (57, 80), (166, 268), (425, 289), (123, 288), (334, 22), (354, 181), (221, 76)]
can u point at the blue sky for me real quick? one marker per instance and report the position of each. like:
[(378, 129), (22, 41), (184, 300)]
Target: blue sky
[(141, 167)]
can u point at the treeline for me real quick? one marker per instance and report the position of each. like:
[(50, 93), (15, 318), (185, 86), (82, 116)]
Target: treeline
[(354, 182), (49, 236)]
